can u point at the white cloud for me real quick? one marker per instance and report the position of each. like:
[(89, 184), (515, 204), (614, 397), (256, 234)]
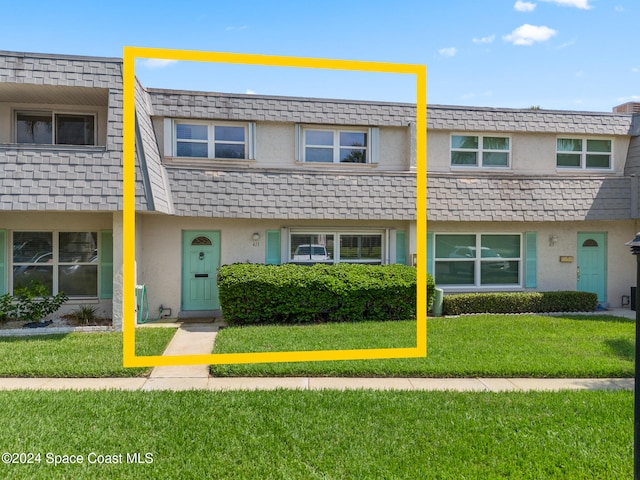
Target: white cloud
[(582, 4), (233, 27), (579, 74), (619, 8), (448, 52), (248, 91), (635, 69), (158, 63), (480, 40), (521, 6), (566, 44), (632, 98), (529, 34)]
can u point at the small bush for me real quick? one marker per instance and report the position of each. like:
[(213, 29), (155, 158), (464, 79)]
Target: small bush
[(251, 293), (84, 315), (519, 302), (31, 303), (6, 307)]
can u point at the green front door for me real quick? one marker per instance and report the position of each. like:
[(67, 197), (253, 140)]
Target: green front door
[(200, 262), (591, 270)]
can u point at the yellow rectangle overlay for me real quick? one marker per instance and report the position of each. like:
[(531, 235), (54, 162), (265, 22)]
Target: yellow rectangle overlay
[(130, 359)]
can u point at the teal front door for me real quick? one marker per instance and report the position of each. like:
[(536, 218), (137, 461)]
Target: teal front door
[(200, 262), (591, 269)]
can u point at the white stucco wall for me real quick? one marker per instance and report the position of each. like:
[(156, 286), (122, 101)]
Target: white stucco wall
[(553, 274), (160, 261), (531, 154), (275, 147)]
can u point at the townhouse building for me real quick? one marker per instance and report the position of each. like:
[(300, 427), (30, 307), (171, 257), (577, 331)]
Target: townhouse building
[(517, 199)]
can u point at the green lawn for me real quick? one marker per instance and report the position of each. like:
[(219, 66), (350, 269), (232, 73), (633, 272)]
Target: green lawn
[(77, 354), (467, 346), (323, 434)]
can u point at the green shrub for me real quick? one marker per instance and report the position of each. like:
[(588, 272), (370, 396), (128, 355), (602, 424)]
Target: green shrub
[(31, 303), (251, 293), (519, 302), (83, 315)]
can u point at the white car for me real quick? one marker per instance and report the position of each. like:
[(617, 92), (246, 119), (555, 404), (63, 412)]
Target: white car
[(311, 253), (470, 252)]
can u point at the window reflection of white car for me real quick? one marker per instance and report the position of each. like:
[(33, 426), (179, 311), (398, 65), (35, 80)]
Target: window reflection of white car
[(486, 253), (311, 253)]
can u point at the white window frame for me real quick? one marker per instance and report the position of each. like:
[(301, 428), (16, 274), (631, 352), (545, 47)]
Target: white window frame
[(479, 151), (337, 233), (55, 262), (171, 138), (583, 154), (371, 148), (478, 260), (54, 114)]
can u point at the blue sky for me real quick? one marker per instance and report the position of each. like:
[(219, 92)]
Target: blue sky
[(558, 54)]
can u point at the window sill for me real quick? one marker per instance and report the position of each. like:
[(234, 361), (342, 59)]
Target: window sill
[(327, 165), (206, 162), (83, 300), (56, 148), (471, 168), (589, 171), (485, 288)]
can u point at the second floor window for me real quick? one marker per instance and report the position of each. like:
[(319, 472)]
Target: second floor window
[(336, 146), (51, 128), (211, 140), (479, 151), (583, 153)]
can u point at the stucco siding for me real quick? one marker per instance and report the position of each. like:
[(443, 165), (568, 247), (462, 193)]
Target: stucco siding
[(552, 274)]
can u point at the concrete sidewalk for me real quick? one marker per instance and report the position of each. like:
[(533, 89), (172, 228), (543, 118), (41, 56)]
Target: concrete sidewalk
[(319, 383)]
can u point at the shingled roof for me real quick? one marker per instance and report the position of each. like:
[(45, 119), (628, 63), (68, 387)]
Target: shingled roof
[(225, 106), (527, 120), (149, 167), (90, 178), (62, 178), (528, 199), (282, 194)]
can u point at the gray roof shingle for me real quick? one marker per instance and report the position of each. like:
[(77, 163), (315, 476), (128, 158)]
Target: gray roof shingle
[(168, 103), (64, 178), (292, 195), (151, 171), (527, 199)]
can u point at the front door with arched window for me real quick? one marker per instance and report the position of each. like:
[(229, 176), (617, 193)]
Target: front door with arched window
[(591, 268), (200, 262)]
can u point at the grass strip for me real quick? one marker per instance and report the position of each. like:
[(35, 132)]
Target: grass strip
[(468, 346), (322, 434), (77, 354)]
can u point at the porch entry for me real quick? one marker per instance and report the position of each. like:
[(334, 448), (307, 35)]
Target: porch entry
[(591, 269), (200, 263)]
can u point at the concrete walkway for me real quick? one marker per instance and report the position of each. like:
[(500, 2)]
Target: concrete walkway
[(189, 339), (193, 339), (319, 383)]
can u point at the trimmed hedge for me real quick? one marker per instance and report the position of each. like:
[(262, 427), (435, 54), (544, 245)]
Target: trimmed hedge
[(519, 302), (251, 293)]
